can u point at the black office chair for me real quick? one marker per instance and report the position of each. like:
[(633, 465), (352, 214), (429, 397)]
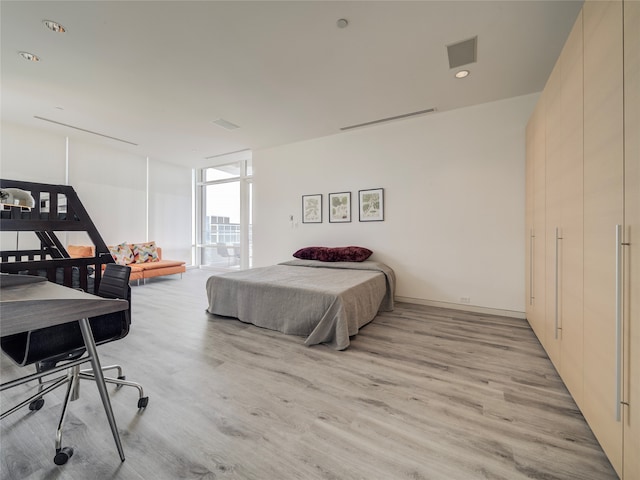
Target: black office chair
[(48, 347)]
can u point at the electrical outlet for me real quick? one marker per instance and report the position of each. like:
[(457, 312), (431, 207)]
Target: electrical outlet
[(465, 299)]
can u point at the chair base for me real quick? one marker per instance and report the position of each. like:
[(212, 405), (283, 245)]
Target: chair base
[(72, 380), (120, 382)]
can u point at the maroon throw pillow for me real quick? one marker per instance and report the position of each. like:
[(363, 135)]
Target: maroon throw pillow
[(334, 254)]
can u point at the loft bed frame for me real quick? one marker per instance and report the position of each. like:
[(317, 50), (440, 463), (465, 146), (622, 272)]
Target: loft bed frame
[(57, 209)]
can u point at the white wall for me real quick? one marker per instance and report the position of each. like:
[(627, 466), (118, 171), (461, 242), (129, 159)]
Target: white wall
[(30, 155), (33, 158), (111, 184), (112, 187), (454, 201), (170, 219)]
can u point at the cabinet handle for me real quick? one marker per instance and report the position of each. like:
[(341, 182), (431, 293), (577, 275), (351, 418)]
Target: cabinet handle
[(618, 321), (531, 238), (558, 238)]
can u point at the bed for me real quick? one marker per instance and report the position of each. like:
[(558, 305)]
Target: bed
[(327, 302)]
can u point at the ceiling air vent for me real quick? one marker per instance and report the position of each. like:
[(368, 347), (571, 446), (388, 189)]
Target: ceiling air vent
[(463, 53), (388, 119), (227, 153), (221, 122), (85, 130)]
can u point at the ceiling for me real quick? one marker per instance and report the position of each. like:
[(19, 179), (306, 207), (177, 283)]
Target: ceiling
[(158, 73)]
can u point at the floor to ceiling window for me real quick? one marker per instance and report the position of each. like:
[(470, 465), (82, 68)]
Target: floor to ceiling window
[(223, 210)]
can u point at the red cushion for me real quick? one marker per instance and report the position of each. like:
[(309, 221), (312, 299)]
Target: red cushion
[(336, 254)]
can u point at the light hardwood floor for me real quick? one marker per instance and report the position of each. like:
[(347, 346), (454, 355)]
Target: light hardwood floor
[(421, 393)]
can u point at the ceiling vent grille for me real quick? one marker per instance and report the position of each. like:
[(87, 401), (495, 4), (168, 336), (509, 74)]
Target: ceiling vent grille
[(87, 131), (463, 53), (221, 122), (227, 153), (389, 119)]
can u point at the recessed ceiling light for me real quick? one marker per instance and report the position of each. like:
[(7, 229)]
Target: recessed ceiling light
[(54, 26), (342, 23), (462, 74), (29, 56)]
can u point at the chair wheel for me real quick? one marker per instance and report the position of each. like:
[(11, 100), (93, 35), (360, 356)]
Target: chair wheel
[(36, 404), (63, 455), (120, 377), (143, 402)]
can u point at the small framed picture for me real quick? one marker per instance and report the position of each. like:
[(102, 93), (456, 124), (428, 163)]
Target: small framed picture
[(312, 208), (340, 207), (371, 204)]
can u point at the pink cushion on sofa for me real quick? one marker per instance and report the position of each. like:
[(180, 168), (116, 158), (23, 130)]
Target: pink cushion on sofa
[(334, 254)]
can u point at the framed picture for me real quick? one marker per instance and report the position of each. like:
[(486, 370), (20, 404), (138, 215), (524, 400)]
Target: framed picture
[(371, 205), (312, 208), (340, 207)]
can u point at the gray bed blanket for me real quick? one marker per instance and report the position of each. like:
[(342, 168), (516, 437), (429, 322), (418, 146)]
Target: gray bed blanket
[(327, 302)]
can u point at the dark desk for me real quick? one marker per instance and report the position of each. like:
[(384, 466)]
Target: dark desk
[(29, 303)]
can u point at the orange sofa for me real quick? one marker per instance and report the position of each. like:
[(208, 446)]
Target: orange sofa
[(139, 271), (142, 271)]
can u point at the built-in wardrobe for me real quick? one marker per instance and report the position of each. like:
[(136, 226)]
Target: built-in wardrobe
[(583, 224)]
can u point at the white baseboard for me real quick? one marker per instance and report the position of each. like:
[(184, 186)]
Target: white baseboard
[(466, 308)]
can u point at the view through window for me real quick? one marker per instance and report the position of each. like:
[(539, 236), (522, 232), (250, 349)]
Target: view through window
[(224, 203)]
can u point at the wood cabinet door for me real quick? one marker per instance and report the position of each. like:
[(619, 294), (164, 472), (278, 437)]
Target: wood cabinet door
[(553, 217), (603, 210), (528, 215), (563, 339), (571, 223), (631, 413), (537, 307)]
